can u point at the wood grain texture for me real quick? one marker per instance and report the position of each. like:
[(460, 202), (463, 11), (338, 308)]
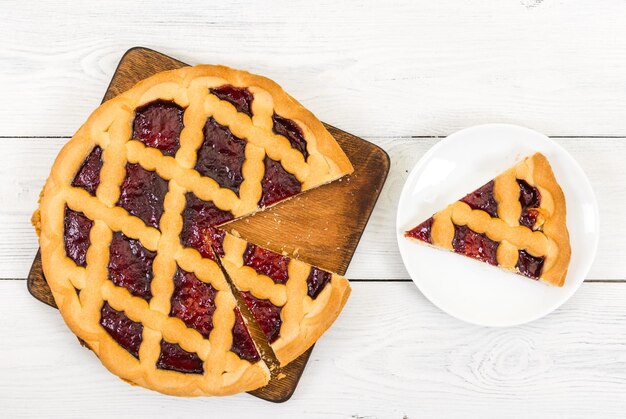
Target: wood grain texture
[(395, 68), (26, 163), (391, 354), (320, 233)]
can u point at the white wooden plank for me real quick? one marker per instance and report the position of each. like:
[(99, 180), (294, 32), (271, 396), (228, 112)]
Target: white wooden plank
[(390, 354), (394, 68), (26, 162)]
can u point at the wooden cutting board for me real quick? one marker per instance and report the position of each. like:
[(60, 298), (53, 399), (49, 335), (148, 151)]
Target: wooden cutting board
[(321, 227)]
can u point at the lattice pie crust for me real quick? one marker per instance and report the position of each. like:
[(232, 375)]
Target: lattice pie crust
[(81, 289)]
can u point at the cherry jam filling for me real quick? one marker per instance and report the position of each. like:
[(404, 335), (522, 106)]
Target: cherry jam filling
[(193, 301), (528, 218), (277, 183), (198, 232), (422, 231), (266, 314), (243, 345), (529, 265), (175, 358), (291, 131), (130, 265), (239, 97), (221, 156), (76, 236), (158, 124), (88, 176), (529, 198), (483, 199), (122, 329), (266, 262), (142, 194), (474, 245), (316, 281)]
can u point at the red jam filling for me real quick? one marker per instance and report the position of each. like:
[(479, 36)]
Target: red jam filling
[(291, 131), (316, 281), (475, 245), (221, 156), (529, 265), (483, 199), (193, 301), (422, 231), (243, 345), (266, 314), (158, 124), (528, 218), (529, 198), (88, 176), (199, 217), (175, 358), (239, 97), (142, 194), (266, 262), (277, 183), (122, 329), (76, 236), (130, 265)]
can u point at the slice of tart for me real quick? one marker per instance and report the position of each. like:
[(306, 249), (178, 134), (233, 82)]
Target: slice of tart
[(516, 221)]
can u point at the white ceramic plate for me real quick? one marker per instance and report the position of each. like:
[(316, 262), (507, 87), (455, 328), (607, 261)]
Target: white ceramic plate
[(474, 291)]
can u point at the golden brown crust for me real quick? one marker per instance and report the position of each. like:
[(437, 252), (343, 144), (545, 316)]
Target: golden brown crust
[(110, 128), (549, 237), (304, 319), (290, 108), (554, 217), (319, 315)]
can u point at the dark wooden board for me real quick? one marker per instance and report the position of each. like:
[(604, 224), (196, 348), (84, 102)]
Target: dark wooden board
[(322, 227)]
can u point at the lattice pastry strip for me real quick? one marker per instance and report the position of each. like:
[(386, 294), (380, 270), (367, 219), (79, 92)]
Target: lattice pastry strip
[(111, 226), (293, 302), (516, 221)]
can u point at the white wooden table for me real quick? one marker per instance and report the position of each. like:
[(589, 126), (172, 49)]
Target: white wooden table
[(400, 74)]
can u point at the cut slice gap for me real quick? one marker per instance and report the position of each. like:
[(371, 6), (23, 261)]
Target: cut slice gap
[(222, 225), (260, 340), (226, 226)]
